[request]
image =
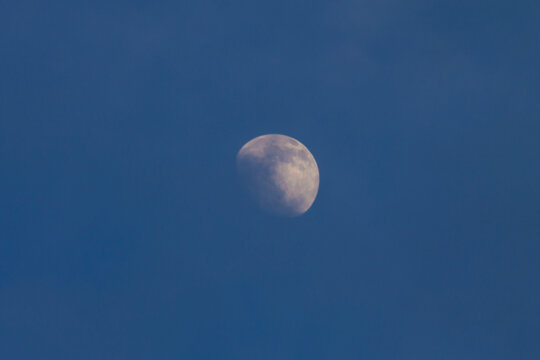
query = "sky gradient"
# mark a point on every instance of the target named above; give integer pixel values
(124, 233)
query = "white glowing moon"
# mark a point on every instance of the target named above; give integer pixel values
(280, 174)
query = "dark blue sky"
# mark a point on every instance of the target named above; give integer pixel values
(123, 231)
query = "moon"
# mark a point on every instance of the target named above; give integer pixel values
(279, 173)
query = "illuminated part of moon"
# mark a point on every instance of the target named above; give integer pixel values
(280, 174)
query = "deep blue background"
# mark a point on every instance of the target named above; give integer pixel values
(123, 231)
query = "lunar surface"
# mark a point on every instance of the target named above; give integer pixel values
(280, 174)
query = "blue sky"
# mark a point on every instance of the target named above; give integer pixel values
(123, 229)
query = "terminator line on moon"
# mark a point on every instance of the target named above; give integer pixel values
(280, 174)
